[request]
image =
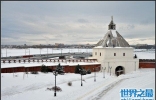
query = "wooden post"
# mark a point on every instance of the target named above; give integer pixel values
(108, 67)
(110, 70)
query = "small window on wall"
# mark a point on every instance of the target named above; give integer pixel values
(123, 54)
(114, 54)
(95, 53)
(100, 53)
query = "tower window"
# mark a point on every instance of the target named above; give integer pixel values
(123, 54)
(100, 53)
(114, 54)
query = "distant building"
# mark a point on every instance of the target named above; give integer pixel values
(59, 44)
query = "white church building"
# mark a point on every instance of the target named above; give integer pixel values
(114, 53)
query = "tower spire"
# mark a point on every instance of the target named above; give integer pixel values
(111, 25)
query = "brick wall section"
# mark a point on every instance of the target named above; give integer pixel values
(146, 64)
(13, 69)
(71, 69)
(67, 69)
(34, 68)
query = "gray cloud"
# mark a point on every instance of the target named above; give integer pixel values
(74, 22)
(82, 21)
(147, 21)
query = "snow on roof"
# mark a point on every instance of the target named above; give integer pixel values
(99, 47)
(82, 63)
(31, 64)
(114, 33)
(9, 65)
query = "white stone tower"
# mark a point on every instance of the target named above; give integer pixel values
(114, 53)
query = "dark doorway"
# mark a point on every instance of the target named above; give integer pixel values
(119, 70)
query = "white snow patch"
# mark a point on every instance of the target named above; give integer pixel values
(33, 86)
(114, 33)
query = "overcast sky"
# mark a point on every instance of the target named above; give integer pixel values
(75, 22)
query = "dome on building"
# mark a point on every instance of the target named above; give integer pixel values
(112, 38)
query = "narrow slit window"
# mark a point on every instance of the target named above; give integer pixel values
(114, 54)
(123, 54)
(100, 53)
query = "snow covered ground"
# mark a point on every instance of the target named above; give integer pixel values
(141, 79)
(18, 52)
(145, 54)
(141, 53)
(34, 86)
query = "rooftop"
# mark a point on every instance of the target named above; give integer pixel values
(112, 38)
